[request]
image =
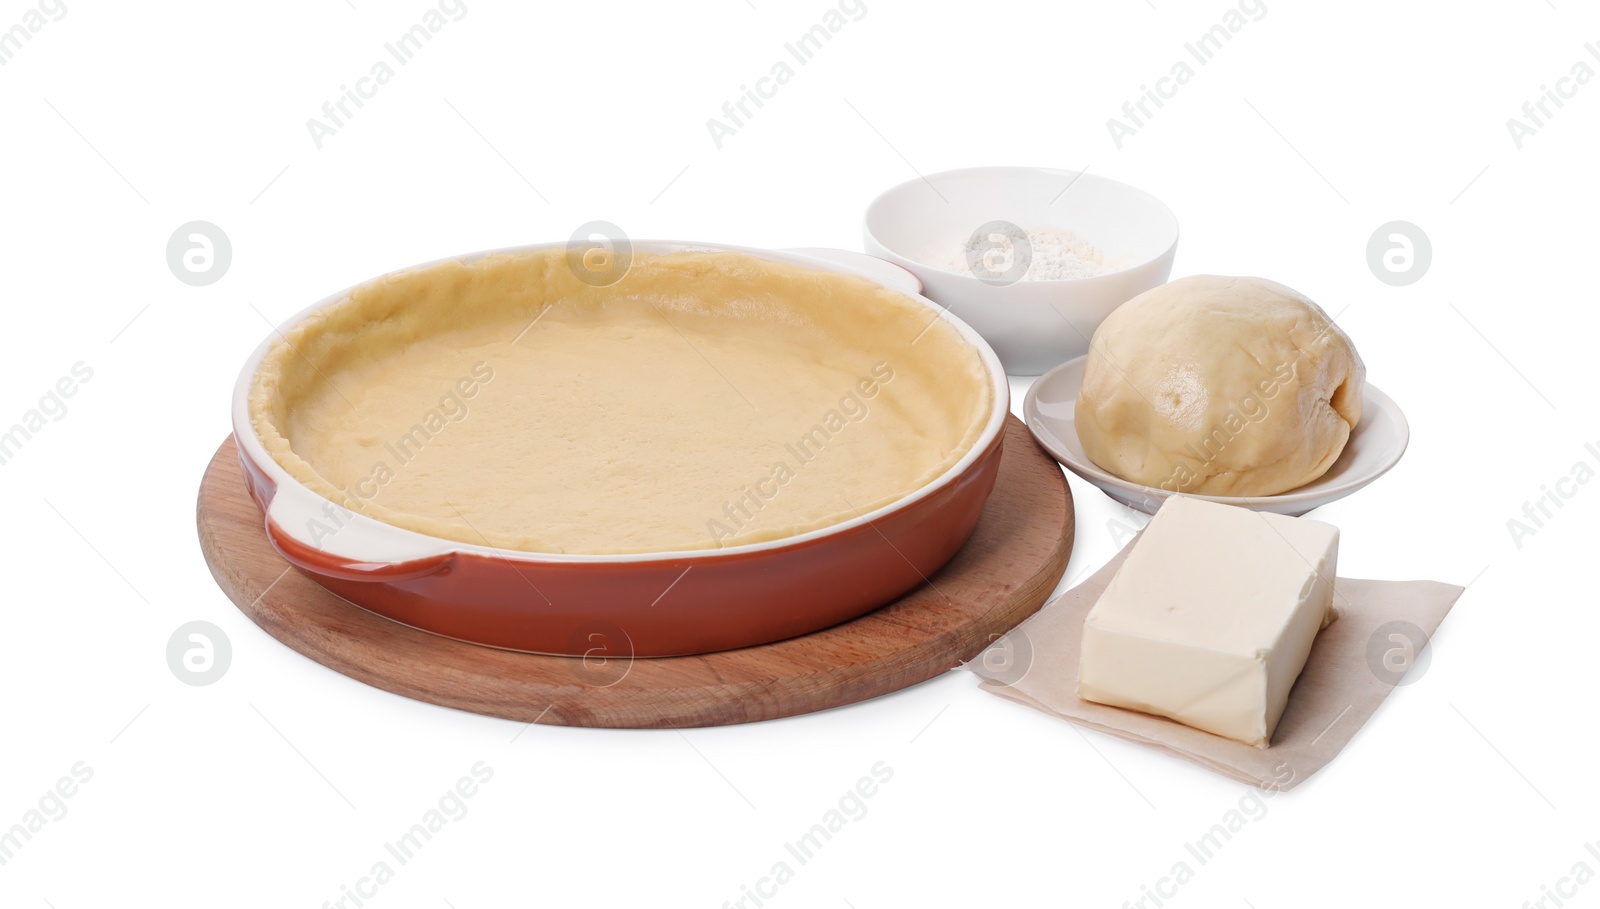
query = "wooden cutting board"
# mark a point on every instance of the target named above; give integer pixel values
(1002, 575)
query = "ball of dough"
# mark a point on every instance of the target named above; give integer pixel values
(1219, 386)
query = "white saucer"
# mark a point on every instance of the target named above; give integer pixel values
(1375, 446)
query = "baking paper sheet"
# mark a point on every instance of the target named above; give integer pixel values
(1355, 664)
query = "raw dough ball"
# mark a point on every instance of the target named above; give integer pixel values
(1219, 386)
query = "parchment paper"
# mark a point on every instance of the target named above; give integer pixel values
(1350, 671)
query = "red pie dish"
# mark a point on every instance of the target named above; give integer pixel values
(704, 449)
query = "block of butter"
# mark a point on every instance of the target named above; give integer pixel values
(1211, 617)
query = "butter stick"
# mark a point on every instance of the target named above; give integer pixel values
(1211, 618)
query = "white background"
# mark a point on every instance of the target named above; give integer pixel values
(279, 784)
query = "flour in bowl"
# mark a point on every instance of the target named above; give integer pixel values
(1053, 255)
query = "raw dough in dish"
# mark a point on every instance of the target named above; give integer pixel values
(705, 400)
(1219, 386)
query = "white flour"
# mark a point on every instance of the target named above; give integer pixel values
(1056, 255)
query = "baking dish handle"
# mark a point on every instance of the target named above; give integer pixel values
(879, 269)
(339, 544)
(318, 561)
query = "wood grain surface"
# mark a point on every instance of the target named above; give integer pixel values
(1003, 574)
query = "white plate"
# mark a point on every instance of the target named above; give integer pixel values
(1375, 446)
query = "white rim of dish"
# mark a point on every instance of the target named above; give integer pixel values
(379, 542)
(905, 261)
(1100, 477)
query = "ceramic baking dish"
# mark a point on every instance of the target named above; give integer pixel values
(637, 604)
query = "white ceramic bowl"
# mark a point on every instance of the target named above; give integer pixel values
(1032, 325)
(1376, 444)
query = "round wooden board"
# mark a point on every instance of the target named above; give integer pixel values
(1003, 575)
